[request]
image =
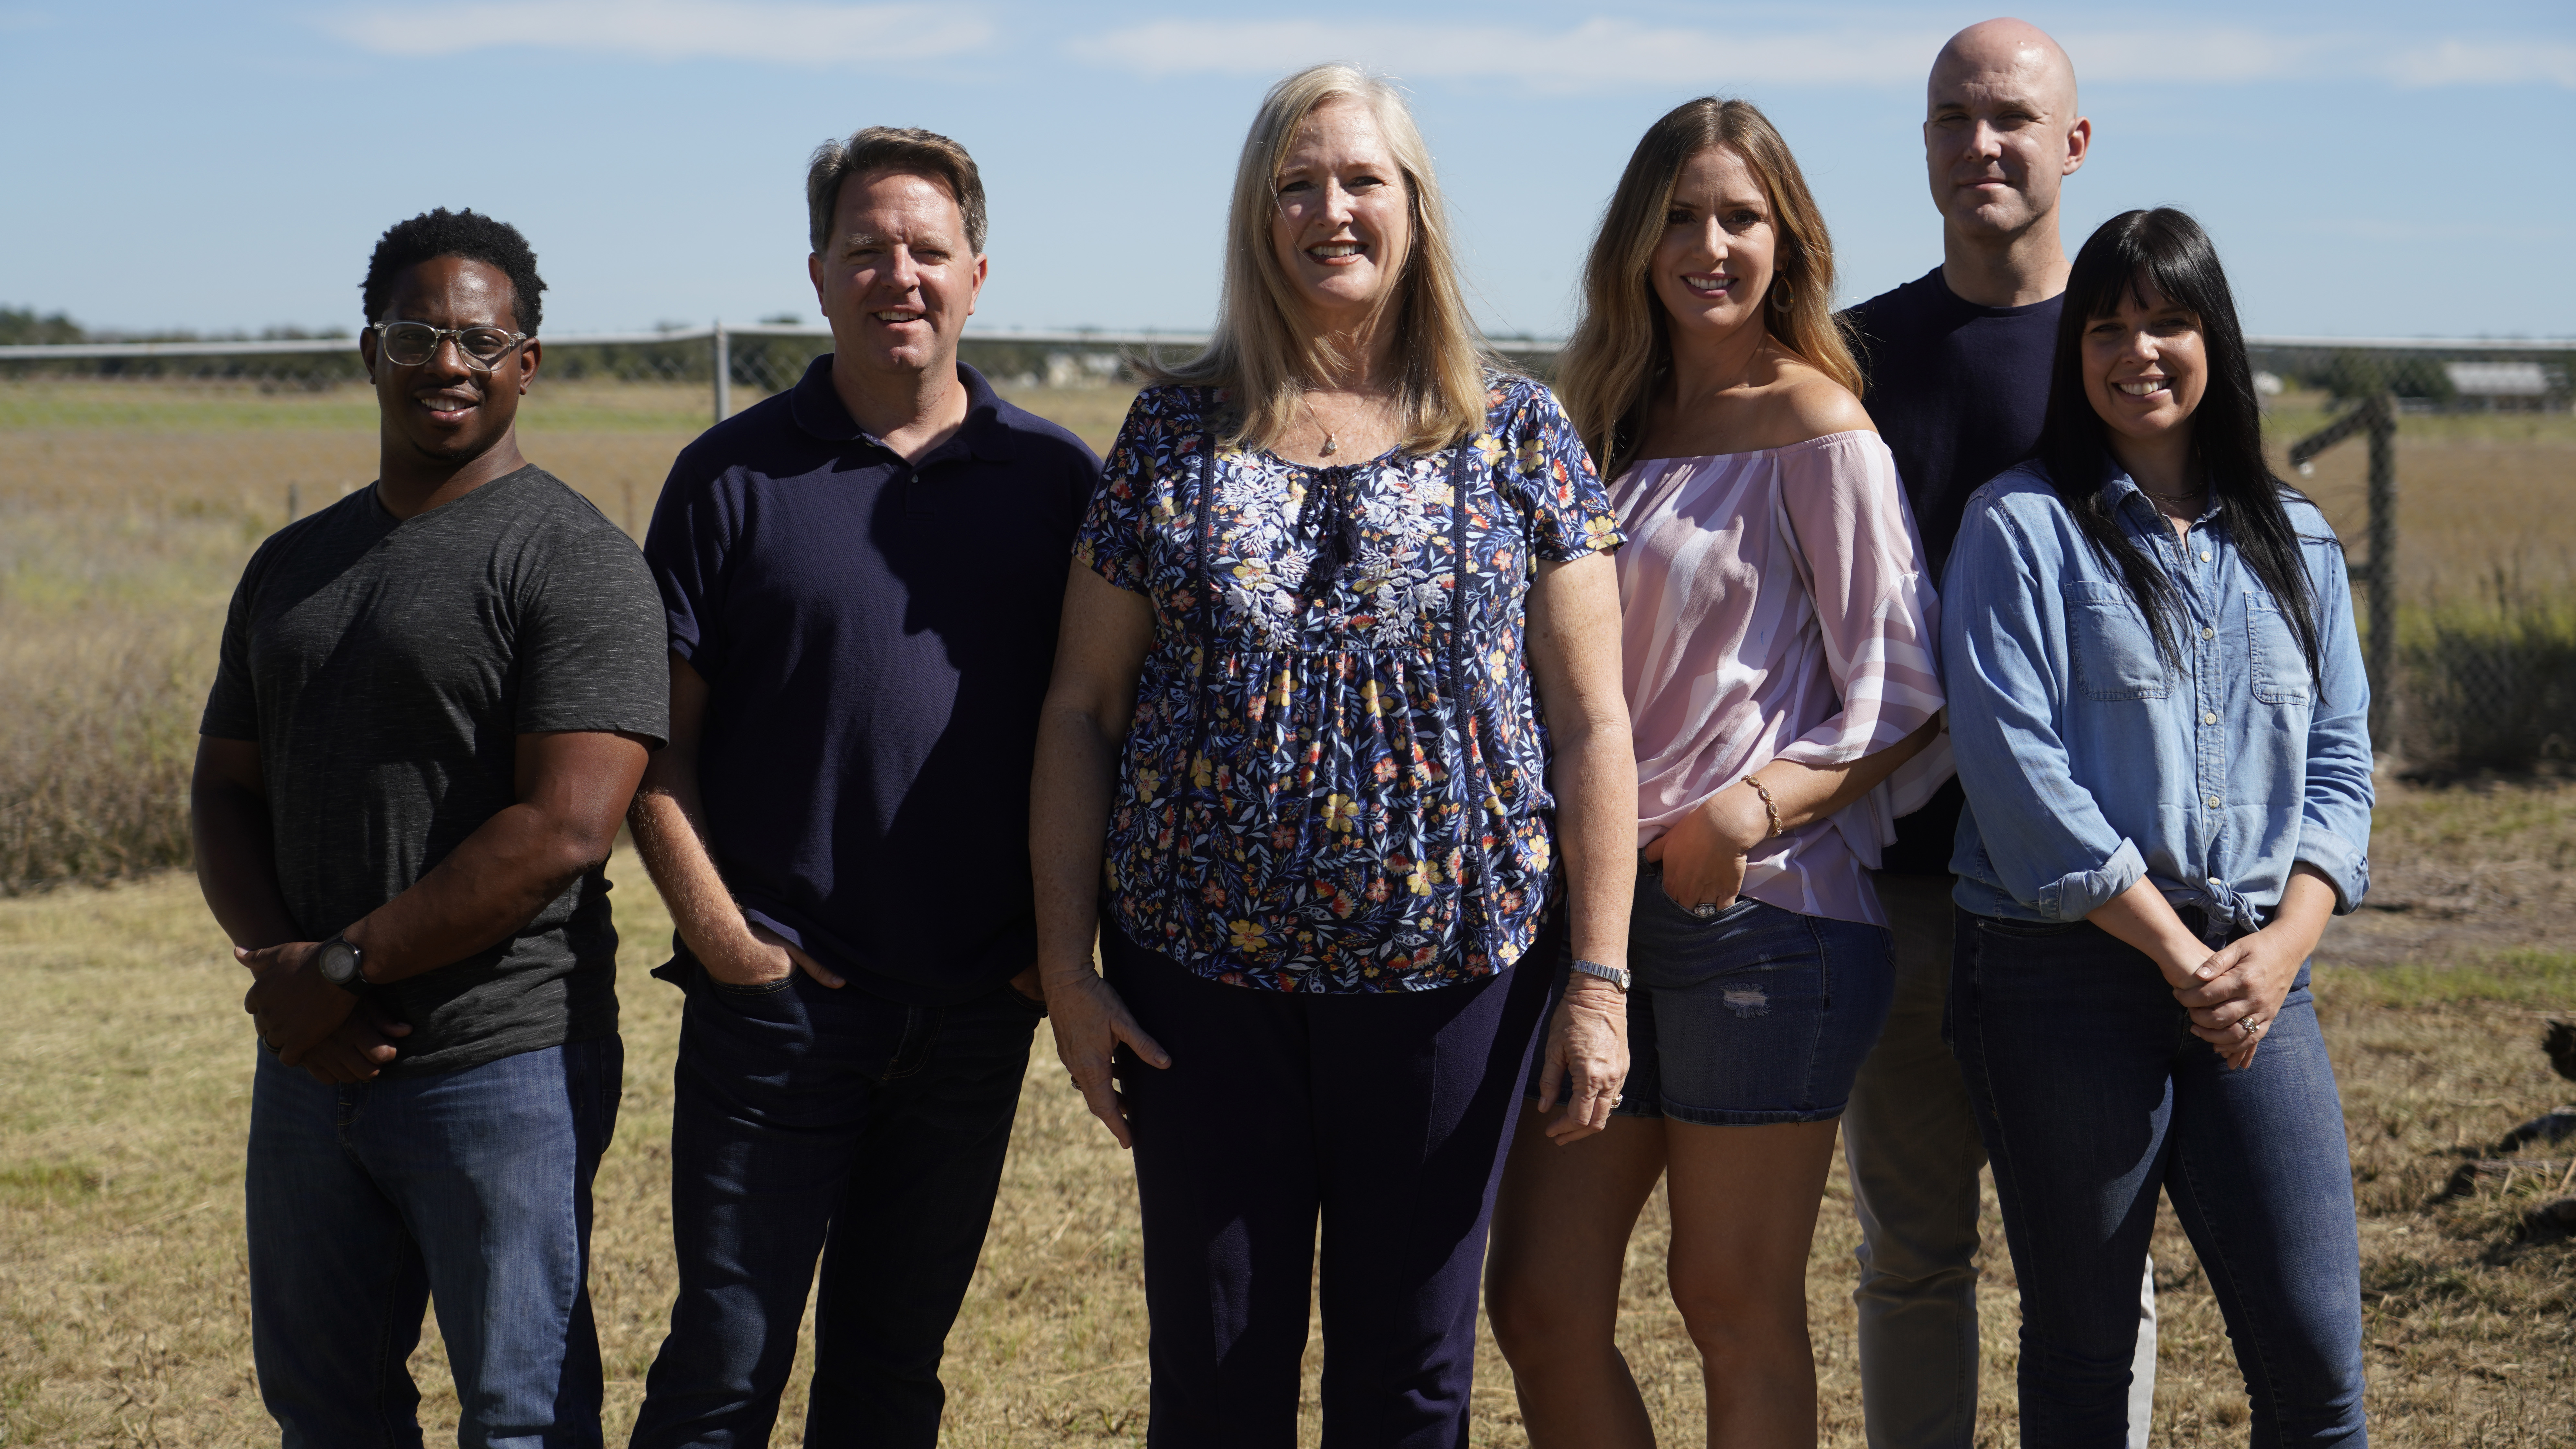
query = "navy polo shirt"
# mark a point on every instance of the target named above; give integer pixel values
(876, 638)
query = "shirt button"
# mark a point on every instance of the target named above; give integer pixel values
(2209, 719)
(2209, 633)
(2213, 802)
(2215, 884)
(2204, 555)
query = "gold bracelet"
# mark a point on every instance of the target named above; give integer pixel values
(1770, 807)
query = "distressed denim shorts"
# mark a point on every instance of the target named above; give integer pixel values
(1753, 1015)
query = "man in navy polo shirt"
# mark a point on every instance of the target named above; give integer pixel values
(862, 576)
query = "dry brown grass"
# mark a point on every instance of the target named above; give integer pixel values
(124, 1076)
(2475, 494)
(124, 1062)
(126, 512)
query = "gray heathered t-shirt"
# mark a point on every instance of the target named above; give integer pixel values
(386, 667)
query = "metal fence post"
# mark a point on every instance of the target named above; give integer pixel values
(2381, 661)
(724, 373)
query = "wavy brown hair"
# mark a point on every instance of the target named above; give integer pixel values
(1264, 349)
(1622, 348)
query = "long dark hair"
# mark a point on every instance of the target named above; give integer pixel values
(2166, 249)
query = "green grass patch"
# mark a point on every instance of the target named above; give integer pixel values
(2532, 978)
(34, 1184)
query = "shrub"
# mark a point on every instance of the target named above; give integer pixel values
(2489, 685)
(96, 749)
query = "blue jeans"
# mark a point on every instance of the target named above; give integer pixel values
(1910, 1140)
(1751, 1016)
(2092, 1094)
(471, 1187)
(813, 1121)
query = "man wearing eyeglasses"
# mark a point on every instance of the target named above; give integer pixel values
(433, 703)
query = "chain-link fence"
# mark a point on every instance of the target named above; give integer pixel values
(136, 478)
(2449, 471)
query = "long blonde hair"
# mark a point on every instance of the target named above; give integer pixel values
(1622, 350)
(1262, 351)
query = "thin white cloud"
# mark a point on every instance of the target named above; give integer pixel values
(1591, 56)
(775, 31)
(1603, 54)
(2461, 62)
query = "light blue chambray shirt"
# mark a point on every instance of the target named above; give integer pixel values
(2087, 763)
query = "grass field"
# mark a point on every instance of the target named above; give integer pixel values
(126, 512)
(125, 515)
(124, 1081)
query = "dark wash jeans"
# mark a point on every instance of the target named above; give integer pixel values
(2092, 1093)
(817, 1121)
(472, 1186)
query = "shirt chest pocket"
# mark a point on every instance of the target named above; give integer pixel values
(2279, 669)
(2114, 655)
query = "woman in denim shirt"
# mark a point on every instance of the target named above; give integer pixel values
(2157, 707)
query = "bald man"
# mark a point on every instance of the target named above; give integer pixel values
(1957, 363)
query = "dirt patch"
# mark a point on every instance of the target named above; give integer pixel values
(2461, 872)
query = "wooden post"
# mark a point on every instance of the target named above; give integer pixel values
(2381, 661)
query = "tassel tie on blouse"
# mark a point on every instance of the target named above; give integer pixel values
(1336, 540)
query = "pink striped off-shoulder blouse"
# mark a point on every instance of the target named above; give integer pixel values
(1774, 607)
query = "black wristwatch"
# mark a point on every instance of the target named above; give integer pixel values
(343, 965)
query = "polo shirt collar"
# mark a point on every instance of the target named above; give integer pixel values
(818, 409)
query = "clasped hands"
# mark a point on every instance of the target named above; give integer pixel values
(310, 1022)
(2234, 994)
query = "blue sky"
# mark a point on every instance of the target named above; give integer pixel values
(2368, 169)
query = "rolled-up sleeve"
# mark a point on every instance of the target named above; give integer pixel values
(2335, 800)
(2005, 672)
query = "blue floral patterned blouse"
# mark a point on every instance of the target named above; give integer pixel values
(1308, 733)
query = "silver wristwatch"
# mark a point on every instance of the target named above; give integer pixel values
(344, 966)
(1615, 975)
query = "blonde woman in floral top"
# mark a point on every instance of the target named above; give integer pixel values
(1336, 769)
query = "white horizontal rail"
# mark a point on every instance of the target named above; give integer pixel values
(2422, 344)
(315, 346)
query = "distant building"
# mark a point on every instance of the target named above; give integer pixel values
(2503, 386)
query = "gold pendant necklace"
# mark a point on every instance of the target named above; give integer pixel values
(1330, 444)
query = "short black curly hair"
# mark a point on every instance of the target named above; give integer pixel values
(444, 233)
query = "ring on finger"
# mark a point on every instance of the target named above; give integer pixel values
(2247, 1022)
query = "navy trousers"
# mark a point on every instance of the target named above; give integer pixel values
(1383, 1116)
(818, 1122)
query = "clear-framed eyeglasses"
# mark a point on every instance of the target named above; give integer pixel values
(409, 344)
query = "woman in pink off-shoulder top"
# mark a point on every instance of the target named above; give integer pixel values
(1778, 648)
